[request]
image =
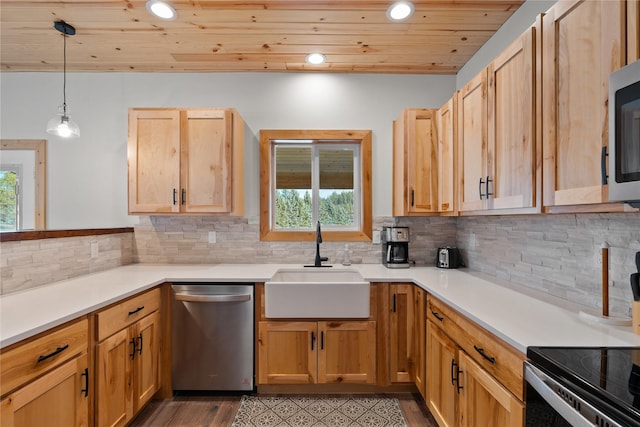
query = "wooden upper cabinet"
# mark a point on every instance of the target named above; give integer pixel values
(633, 31)
(582, 45)
(415, 164)
(498, 156)
(513, 153)
(472, 143)
(445, 127)
(186, 161)
(154, 160)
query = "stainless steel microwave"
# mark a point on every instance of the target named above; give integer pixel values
(624, 135)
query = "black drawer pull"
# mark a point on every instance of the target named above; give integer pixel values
(437, 316)
(313, 340)
(54, 353)
(131, 313)
(322, 340)
(490, 359)
(85, 390)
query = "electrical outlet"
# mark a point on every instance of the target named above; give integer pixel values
(94, 249)
(376, 236)
(212, 237)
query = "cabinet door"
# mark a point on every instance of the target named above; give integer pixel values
(419, 338)
(154, 161)
(441, 371)
(114, 405)
(446, 142)
(582, 45)
(59, 398)
(401, 332)
(483, 400)
(206, 156)
(415, 163)
(287, 352)
(512, 149)
(472, 143)
(146, 372)
(347, 352)
(633, 31)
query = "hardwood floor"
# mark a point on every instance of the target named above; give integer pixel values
(219, 410)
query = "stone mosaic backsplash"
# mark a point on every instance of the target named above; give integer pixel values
(556, 254)
(30, 263)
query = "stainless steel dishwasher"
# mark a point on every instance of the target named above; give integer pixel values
(212, 336)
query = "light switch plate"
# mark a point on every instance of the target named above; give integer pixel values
(376, 236)
(212, 237)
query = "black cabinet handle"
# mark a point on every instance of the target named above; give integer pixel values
(313, 340)
(480, 188)
(437, 316)
(85, 390)
(413, 198)
(395, 304)
(480, 350)
(133, 352)
(603, 165)
(131, 313)
(322, 340)
(453, 371)
(140, 344)
(458, 386)
(175, 193)
(54, 353)
(183, 197)
(486, 192)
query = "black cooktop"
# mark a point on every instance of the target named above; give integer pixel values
(604, 376)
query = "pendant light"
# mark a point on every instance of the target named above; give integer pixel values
(62, 125)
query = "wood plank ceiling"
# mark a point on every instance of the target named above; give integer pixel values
(250, 35)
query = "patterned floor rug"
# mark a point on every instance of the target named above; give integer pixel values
(318, 411)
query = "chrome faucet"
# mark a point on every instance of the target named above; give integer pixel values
(319, 259)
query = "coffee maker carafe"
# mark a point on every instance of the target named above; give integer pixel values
(395, 247)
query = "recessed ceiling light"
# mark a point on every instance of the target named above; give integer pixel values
(400, 10)
(316, 58)
(161, 9)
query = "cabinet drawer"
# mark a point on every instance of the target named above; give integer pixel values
(498, 358)
(34, 357)
(125, 313)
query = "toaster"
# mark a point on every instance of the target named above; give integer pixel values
(449, 257)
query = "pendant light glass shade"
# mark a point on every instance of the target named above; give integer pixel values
(61, 125)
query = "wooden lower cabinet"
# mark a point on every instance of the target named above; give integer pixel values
(460, 390)
(308, 352)
(441, 386)
(127, 371)
(483, 400)
(58, 398)
(419, 340)
(401, 332)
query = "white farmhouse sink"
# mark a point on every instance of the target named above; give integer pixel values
(316, 293)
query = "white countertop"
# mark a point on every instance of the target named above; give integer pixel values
(515, 316)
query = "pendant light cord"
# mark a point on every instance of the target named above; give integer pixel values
(64, 73)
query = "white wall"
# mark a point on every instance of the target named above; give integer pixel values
(87, 177)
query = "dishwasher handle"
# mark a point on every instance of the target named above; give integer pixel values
(188, 297)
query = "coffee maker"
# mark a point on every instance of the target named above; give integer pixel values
(395, 247)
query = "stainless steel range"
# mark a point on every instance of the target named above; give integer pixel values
(583, 386)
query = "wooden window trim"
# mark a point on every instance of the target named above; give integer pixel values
(39, 147)
(361, 137)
